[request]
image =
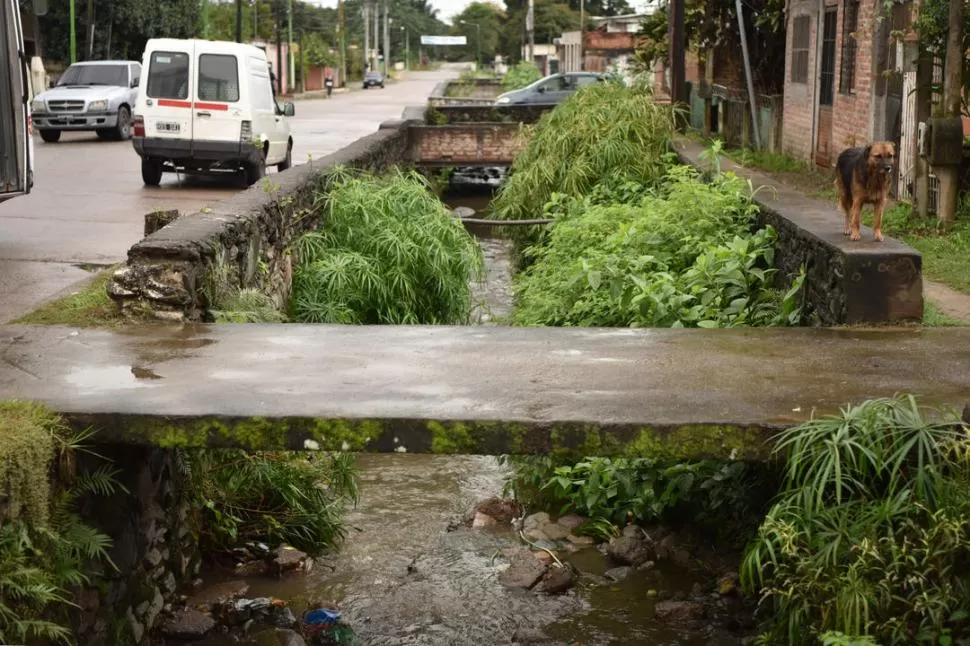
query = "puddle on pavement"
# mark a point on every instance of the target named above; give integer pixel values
(100, 379)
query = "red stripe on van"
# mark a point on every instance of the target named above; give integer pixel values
(170, 103)
(202, 105)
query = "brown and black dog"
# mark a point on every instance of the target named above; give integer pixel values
(862, 176)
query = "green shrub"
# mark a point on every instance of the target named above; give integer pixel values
(603, 131)
(389, 252)
(523, 74)
(272, 497)
(870, 535)
(681, 255)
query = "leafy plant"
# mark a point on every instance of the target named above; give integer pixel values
(388, 252)
(247, 306)
(603, 131)
(870, 535)
(46, 550)
(273, 497)
(523, 74)
(643, 261)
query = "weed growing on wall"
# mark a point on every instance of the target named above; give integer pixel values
(46, 551)
(870, 535)
(679, 255)
(388, 252)
(524, 73)
(603, 131)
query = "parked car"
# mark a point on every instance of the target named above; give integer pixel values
(554, 88)
(93, 95)
(208, 107)
(372, 79)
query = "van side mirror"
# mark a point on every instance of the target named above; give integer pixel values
(289, 109)
(134, 83)
(50, 84)
(40, 7)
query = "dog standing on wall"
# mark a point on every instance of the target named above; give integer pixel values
(862, 176)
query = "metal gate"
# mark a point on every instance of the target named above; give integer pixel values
(907, 139)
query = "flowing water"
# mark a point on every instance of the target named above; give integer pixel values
(410, 572)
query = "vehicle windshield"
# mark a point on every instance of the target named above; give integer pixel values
(373, 75)
(95, 75)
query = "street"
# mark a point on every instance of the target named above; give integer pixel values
(88, 203)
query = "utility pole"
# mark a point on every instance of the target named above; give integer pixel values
(73, 33)
(90, 25)
(377, 34)
(205, 19)
(946, 169)
(582, 35)
(387, 37)
(530, 27)
(255, 20)
(407, 48)
(366, 9)
(343, 49)
(748, 76)
(238, 21)
(291, 77)
(302, 65)
(676, 40)
(279, 49)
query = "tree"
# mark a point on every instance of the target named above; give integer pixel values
(490, 20)
(551, 19)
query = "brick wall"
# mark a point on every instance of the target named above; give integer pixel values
(493, 144)
(799, 102)
(851, 123)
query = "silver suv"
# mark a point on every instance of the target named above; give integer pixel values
(93, 95)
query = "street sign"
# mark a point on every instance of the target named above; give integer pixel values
(444, 40)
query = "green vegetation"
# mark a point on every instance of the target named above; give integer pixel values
(604, 132)
(678, 256)
(525, 73)
(933, 317)
(727, 498)
(870, 535)
(389, 252)
(273, 497)
(46, 552)
(89, 307)
(809, 179)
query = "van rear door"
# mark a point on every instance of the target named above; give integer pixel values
(167, 108)
(217, 113)
(13, 104)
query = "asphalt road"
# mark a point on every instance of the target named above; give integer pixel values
(88, 203)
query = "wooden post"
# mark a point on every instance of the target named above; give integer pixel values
(952, 86)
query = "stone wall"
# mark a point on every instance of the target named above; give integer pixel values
(243, 241)
(457, 114)
(452, 92)
(155, 548)
(491, 144)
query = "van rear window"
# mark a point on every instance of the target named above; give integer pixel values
(168, 76)
(218, 78)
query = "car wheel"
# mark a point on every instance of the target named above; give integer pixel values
(255, 171)
(382, 86)
(104, 134)
(151, 171)
(122, 131)
(286, 163)
(50, 136)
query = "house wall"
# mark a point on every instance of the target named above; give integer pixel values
(799, 102)
(852, 125)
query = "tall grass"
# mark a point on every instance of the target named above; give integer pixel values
(870, 536)
(602, 131)
(388, 252)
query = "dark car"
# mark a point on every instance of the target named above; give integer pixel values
(372, 79)
(551, 89)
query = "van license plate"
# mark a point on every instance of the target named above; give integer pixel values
(168, 126)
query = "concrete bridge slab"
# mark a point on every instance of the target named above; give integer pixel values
(678, 393)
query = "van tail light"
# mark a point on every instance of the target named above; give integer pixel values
(138, 126)
(30, 125)
(246, 132)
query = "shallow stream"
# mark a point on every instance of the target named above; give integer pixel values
(412, 572)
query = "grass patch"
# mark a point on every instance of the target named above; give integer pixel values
(933, 317)
(89, 307)
(813, 182)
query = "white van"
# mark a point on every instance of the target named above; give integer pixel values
(208, 106)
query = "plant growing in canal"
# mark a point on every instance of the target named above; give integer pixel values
(678, 255)
(603, 131)
(273, 497)
(388, 252)
(870, 535)
(46, 551)
(524, 73)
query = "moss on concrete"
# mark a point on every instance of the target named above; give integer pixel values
(344, 435)
(90, 306)
(701, 441)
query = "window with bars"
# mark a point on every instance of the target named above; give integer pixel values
(826, 92)
(799, 49)
(850, 22)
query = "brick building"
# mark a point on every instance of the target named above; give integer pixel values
(843, 77)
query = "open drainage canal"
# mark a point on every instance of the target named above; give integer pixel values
(419, 566)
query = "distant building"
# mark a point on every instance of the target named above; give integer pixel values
(608, 46)
(545, 57)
